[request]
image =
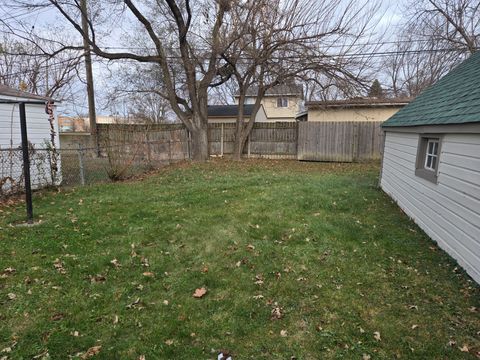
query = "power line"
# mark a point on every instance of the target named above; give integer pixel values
(383, 54)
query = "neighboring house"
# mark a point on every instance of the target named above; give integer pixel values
(39, 137)
(360, 109)
(75, 131)
(281, 103)
(229, 113)
(68, 124)
(431, 163)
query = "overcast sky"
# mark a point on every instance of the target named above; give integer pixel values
(389, 16)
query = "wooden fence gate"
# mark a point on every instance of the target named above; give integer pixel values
(339, 141)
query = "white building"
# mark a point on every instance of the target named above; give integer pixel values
(431, 163)
(39, 137)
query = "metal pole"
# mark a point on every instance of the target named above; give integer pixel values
(26, 163)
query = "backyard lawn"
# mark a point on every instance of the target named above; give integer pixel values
(298, 261)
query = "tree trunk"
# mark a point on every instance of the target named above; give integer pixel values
(200, 144)
(240, 140)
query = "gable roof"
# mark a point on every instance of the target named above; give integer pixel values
(228, 110)
(9, 92)
(358, 103)
(279, 90)
(455, 99)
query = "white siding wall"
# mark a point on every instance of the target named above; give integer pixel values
(38, 129)
(449, 211)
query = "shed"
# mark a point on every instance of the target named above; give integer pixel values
(39, 129)
(431, 163)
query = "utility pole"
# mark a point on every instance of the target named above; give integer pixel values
(88, 68)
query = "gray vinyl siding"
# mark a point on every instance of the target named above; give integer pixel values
(449, 211)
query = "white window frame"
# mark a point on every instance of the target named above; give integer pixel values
(431, 154)
(427, 155)
(282, 102)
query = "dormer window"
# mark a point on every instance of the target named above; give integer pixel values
(282, 102)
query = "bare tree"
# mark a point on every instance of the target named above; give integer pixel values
(181, 33)
(24, 65)
(437, 36)
(137, 90)
(288, 40)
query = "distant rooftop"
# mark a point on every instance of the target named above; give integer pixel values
(279, 90)
(358, 102)
(228, 110)
(7, 91)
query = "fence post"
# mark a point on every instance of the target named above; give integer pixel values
(248, 139)
(356, 143)
(80, 165)
(221, 142)
(169, 151)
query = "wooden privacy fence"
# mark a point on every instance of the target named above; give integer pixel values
(267, 140)
(339, 141)
(315, 141)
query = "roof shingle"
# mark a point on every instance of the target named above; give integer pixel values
(228, 110)
(455, 99)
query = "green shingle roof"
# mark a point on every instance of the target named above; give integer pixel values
(455, 99)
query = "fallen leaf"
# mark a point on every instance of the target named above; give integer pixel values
(258, 297)
(276, 313)
(11, 296)
(361, 330)
(115, 320)
(464, 348)
(141, 357)
(452, 343)
(283, 333)
(148, 274)
(366, 357)
(250, 247)
(165, 302)
(97, 279)
(376, 335)
(115, 263)
(94, 350)
(205, 269)
(169, 342)
(135, 303)
(57, 317)
(58, 265)
(414, 326)
(199, 293)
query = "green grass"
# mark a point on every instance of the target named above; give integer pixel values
(333, 254)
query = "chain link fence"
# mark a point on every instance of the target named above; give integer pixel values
(84, 166)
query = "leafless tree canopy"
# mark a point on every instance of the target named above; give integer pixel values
(25, 66)
(436, 36)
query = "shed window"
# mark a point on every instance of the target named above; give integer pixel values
(431, 156)
(428, 157)
(282, 102)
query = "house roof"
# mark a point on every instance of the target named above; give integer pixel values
(279, 90)
(455, 99)
(12, 92)
(228, 110)
(358, 102)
